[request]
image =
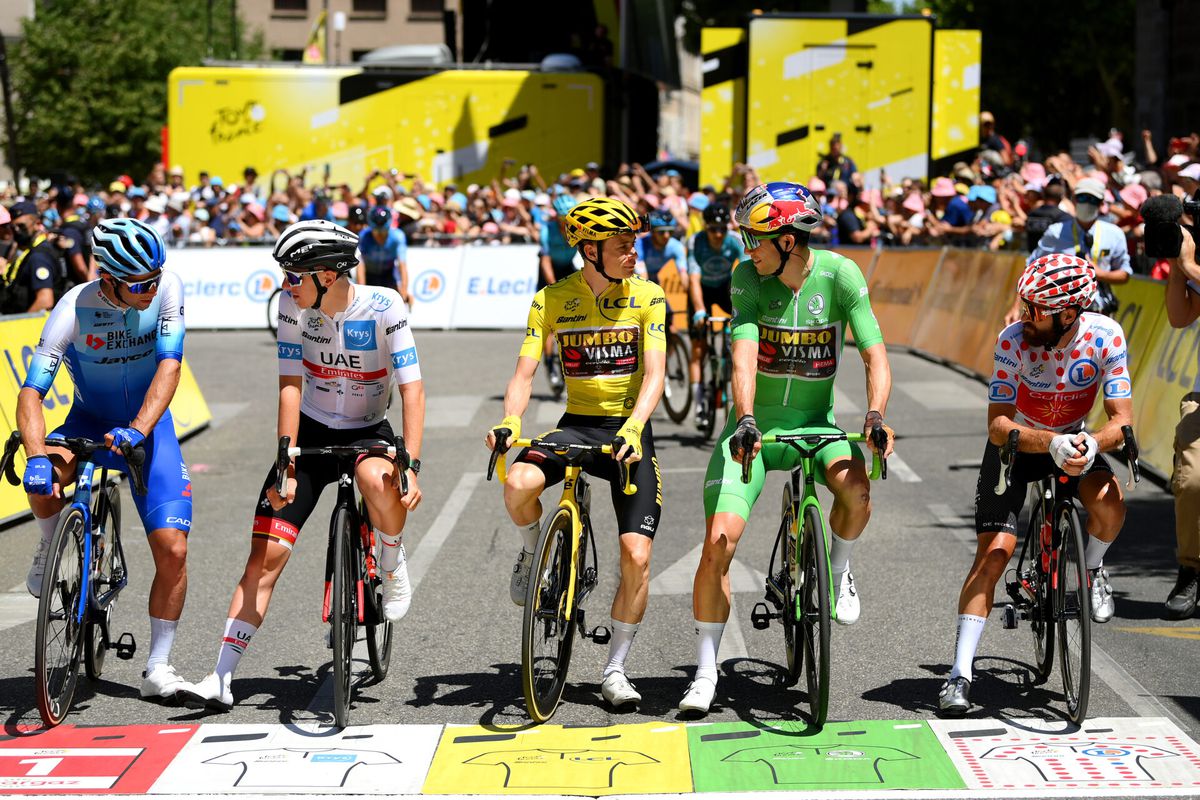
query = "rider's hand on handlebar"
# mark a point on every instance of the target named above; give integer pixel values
(119, 436)
(413, 498)
(746, 438)
(875, 418)
(39, 477)
(627, 444)
(511, 424)
(278, 502)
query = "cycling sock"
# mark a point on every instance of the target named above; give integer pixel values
(970, 628)
(1093, 555)
(233, 647)
(389, 550)
(706, 650)
(697, 393)
(47, 526)
(618, 648)
(162, 636)
(529, 534)
(839, 558)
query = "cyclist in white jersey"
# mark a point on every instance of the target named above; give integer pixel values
(341, 346)
(1047, 371)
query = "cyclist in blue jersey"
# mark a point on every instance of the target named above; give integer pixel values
(556, 259)
(713, 254)
(121, 338)
(383, 251)
(658, 248)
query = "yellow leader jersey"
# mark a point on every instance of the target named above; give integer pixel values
(602, 340)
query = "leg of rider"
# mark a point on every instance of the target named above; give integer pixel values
(993, 550)
(629, 603)
(710, 589)
(167, 591)
(694, 368)
(46, 509)
(388, 514)
(522, 491)
(847, 478)
(1100, 493)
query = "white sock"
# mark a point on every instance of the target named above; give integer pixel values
(706, 649)
(529, 534)
(47, 526)
(970, 628)
(697, 393)
(237, 639)
(839, 558)
(618, 648)
(389, 550)
(1094, 553)
(162, 636)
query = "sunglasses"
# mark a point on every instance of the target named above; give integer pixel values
(1036, 313)
(141, 287)
(1087, 199)
(752, 240)
(294, 278)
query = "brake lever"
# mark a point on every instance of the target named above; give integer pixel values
(1131, 454)
(879, 438)
(281, 464)
(1008, 455)
(9, 458)
(134, 458)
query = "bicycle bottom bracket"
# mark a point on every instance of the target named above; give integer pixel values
(125, 646)
(1010, 617)
(760, 617)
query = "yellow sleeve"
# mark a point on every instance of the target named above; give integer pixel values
(535, 328)
(655, 319)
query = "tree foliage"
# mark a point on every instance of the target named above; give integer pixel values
(90, 80)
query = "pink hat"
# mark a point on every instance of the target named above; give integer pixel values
(872, 197)
(943, 187)
(510, 202)
(914, 203)
(257, 212)
(652, 199)
(1033, 171)
(1099, 176)
(5, 217)
(437, 199)
(816, 186)
(81, 199)
(340, 209)
(1134, 195)
(491, 227)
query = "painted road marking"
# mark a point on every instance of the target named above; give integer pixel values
(949, 518)
(898, 468)
(17, 606)
(943, 395)
(1170, 633)
(677, 579)
(451, 410)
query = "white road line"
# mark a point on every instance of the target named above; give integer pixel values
(733, 643)
(943, 395)
(901, 470)
(945, 515)
(674, 470)
(452, 410)
(17, 606)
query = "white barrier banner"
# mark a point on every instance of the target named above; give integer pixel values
(433, 280)
(225, 287)
(496, 286)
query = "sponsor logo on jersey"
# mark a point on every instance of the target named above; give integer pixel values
(429, 285)
(655, 301)
(611, 303)
(398, 326)
(95, 342)
(775, 305)
(292, 351)
(1002, 393)
(179, 521)
(405, 358)
(657, 329)
(359, 334)
(816, 306)
(599, 351)
(285, 318)
(312, 338)
(571, 304)
(571, 318)
(1055, 410)
(1083, 373)
(1118, 388)
(1000, 358)
(379, 302)
(314, 323)
(807, 353)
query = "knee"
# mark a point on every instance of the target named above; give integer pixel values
(717, 553)
(854, 493)
(523, 480)
(636, 559)
(171, 551)
(993, 563)
(374, 482)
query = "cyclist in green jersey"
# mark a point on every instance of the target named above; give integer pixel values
(790, 310)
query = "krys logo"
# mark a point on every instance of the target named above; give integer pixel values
(429, 286)
(260, 285)
(359, 334)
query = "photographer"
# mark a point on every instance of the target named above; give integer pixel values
(1166, 238)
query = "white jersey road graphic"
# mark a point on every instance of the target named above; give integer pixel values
(346, 360)
(1082, 762)
(299, 767)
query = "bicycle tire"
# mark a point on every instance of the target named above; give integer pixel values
(273, 312)
(342, 615)
(544, 676)
(1073, 613)
(677, 397)
(787, 581)
(57, 655)
(106, 518)
(378, 627)
(1041, 615)
(815, 613)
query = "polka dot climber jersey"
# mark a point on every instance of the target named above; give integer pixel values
(1054, 389)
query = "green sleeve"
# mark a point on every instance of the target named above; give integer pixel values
(852, 292)
(744, 288)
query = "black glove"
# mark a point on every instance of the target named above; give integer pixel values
(745, 436)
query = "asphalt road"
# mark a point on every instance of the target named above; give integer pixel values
(457, 654)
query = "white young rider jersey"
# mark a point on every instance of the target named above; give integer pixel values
(1054, 389)
(346, 359)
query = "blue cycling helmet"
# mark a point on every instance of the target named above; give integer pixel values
(95, 205)
(126, 248)
(564, 203)
(380, 217)
(661, 219)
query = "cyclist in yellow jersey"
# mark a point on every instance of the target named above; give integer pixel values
(611, 332)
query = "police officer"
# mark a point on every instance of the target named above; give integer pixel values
(33, 279)
(74, 235)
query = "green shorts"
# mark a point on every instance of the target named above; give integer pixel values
(723, 487)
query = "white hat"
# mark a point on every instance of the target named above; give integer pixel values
(1090, 187)
(512, 194)
(382, 191)
(178, 201)
(1191, 171)
(157, 204)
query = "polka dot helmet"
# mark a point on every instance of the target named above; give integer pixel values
(1058, 281)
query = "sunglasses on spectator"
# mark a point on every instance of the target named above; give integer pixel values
(1088, 199)
(752, 240)
(143, 286)
(1036, 313)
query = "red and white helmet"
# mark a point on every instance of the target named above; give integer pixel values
(1057, 281)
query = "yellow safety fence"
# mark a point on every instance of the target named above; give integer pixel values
(18, 338)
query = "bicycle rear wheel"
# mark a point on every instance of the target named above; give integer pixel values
(108, 572)
(59, 638)
(342, 616)
(814, 615)
(786, 579)
(677, 399)
(1041, 616)
(547, 633)
(378, 628)
(1073, 611)
(273, 312)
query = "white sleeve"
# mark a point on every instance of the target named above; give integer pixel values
(400, 344)
(58, 333)
(291, 351)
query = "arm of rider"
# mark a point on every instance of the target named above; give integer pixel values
(1000, 422)
(879, 391)
(402, 268)
(653, 380)
(289, 426)
(31, 422)
(158, 398)
(412, 400)
(745, 370)
(516, 400)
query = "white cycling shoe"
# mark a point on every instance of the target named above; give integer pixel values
(212, 694)
(520, 577)
(618, 691)
(162, 684)
(847, 609)
(699, 696)
(397, 591)
(37, 570)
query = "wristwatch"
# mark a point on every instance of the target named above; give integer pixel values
(415, 466)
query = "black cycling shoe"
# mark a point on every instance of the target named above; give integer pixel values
(1181, 602)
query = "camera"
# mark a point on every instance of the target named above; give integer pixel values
(1164, 232)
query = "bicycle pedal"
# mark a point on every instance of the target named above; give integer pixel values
(600, 635)
(760, 617)
(125, 646)
(1010, 617)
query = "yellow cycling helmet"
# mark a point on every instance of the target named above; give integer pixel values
(599, 218)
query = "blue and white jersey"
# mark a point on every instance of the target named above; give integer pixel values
(347, 359)
(111, 353)
(380, 258)
(654, 259)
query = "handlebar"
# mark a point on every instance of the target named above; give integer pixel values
(135, 457)
(1007, 457)
(1131, 455)
(285, 454)
(878, 437)
(498, 463)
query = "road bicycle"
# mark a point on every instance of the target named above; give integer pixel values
(716, 369)
(565, 571)
(353, 581)
(273, 311)
(677, 397)
(1049, 588)
(85, 572)
(799, 585)
(554, 370)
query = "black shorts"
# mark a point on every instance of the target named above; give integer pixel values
(313, 474)
(995, 512)
(713, 296)
(637, 513)
(560, 271)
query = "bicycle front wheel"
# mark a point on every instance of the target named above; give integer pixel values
(814, 613)
(1073, 611)
(273, 312)
(342, 616)
(547, 631)
(677, 398)
(108, 573)
(786, 579)
(378, 628)
(1041, 614)
(59, 638)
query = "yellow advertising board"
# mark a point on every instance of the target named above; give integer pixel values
(722, 102)
(18, 338)
(898, 285)
(452, 126)
(957, 59)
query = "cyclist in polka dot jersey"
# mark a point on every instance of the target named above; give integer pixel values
(1047, 371)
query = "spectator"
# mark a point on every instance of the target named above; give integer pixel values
(952, 216)
(33, 280)
(989, 140)
(155, 217)
(992, 225)
(251, 187)
(74, 238)
(855, 225)
(179, 221)
(1043, 211)
(836, 166)
(175, 179)
(202, 234)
